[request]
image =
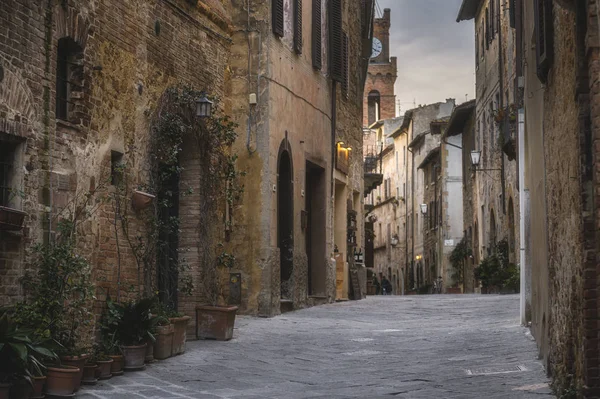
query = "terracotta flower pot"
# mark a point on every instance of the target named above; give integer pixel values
(89, 374)
(104, 369)
(215, 322)
(149, 351)
(75, 361)
(38, 387)
(134, 356)
(116, 368)
(141, 200)
(179, 333)
(61, 380)
(4, 391)
(163, 347)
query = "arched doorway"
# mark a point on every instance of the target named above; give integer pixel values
(492, 239)
(285, 219)
(512, 253)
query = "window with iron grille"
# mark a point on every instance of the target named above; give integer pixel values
(68, 74)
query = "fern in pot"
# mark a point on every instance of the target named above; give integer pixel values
(134, 329)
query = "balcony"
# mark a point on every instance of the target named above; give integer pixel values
(372, 169)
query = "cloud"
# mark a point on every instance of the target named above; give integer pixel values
(436, 55)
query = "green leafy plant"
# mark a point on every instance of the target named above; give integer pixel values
(496, 272)
(58, 307)
(132, 322)
(22, 354)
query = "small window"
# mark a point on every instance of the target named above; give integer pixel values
(7, 171)
(345, 64)
(116, 168)
(68, 74)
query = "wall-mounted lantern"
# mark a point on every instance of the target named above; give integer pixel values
(476, 159)
(203, 106)
(424, 209)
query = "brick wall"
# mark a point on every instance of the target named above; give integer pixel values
(131, 52)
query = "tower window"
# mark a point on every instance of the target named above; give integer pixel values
(374, 105)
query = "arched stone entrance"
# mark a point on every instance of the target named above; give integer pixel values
(285, 219)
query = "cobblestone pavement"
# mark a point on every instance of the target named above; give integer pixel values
(383, 347)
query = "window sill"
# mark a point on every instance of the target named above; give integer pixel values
(66, 124)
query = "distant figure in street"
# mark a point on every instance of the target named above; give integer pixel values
(377, 285)
(386, 285)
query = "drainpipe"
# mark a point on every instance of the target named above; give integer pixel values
(523, 207)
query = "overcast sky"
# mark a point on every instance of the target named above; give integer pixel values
(436, 55)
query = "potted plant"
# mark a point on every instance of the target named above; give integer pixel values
(133, 330)
(89, 370)
(104, 365)
(163, 347)
(59, 298)
(109, 325)
(21, 358)
(215, 320)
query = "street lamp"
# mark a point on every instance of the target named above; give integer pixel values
(475, 158)
(203, 106)
(424, 209)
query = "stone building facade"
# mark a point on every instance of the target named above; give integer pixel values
(81, 87)
(496, 206)
(560, 162)
(80, 84)
(460, 136)
(422, 129)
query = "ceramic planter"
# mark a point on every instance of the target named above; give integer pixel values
(149, 351)
(215, 322)
(89, 374)
(61, 380)
(4, 391)
(75, 361)
(179, 333)
(163, 347)
(38, 387)
(104, 369)
(11, 219)
(134, 356)
(116, 368)
(141, 200)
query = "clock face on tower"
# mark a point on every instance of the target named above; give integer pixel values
(377, 48)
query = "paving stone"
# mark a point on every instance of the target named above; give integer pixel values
(422, 347)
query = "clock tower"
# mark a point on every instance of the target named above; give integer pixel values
(380, 101)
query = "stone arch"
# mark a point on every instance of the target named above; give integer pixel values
(71, 23)
(374, 106)
(16, 96)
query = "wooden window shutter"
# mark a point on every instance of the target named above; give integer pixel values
(277, 9)
(513, 20)
(336, 63)
(298, 26)
(544, 47)
(316, 35)
(345, 64)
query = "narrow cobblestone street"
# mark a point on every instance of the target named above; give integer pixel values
(404, 347)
